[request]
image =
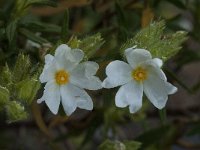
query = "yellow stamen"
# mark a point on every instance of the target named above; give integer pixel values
(139, 74)
(62, 77)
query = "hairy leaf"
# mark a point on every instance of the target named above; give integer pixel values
(91, 44)
(154, 39)
(6, 76)
(27, 90)
(22, 68)
(4, 96)
(15, 112)
(30, 35)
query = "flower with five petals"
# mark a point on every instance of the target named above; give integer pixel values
(66, 78)
(141, 74)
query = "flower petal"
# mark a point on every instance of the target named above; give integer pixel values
(154, 69)
(170, 88)
(156, 91)
(75, 55)
(51, 96)
(92, 83)
(158, 62)
(68, 99)
(82, 76)
(118, 73)
(84, 101)
(73, 97)
(49, 70)
(130, 94)
(91, 68)
(48, 59)
(108, 84)
(61, 50)
(62, 55)
(137, 56)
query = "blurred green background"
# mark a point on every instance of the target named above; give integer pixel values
(36, 27)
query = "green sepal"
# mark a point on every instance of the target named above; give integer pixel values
(15, 112)
(27, 90)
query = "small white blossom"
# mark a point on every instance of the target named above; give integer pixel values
(141, 74)
(66, 80)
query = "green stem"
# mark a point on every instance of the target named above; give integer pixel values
(163, 116)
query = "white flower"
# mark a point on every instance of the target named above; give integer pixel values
(141, 74)
(66, 78)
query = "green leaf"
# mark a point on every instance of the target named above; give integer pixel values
(30, 35)
(41, 26)
(117, 145)
(27, 90)
(4, 96)
(15, 112)
(91, 44)
(74, 42)
(6, 77)
(11, 30)
(22, 68)
(51, 3)
(65, 26)
(160, 45)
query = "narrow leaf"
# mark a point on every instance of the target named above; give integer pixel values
(51, 3)
(65, 26)
(11, 30)
(30, 35)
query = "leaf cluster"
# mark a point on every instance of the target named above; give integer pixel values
(154, 39)
(89, 44)
(18, 88)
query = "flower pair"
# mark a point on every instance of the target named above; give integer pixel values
(67, 77)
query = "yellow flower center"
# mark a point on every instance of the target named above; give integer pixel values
(62, 77)
(139, 74)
